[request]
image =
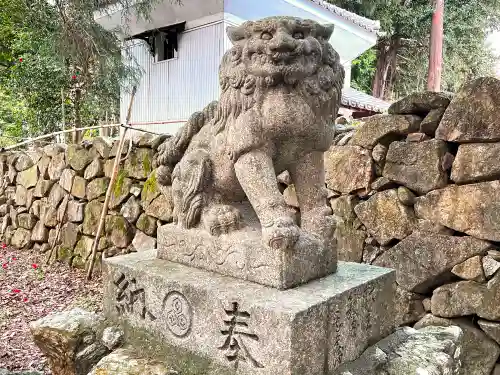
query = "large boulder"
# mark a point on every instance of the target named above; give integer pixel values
(28, 178)
(476, 162)
(431, 122)
(147, 224)
(94, 170)
(115, 145)
(423, 259)
(53, 149)
(348, 168)
(42, 188)
(430, 350)
(78, 157)
(92, 216)
(472, 116)
(350, 240)
(131, 210)
(121, 190)
(70, 340)
(75, 211)
(468, 298)
(21, 238)
(22, 162)
(417, 165)
(150, 190)
(385, 217)
(40, 233)
(97, 188)
(471, 269)
(161, 207)
(83, 248)
(20, 197)
(126, 362)
(492, 329)
(103, 146)
(383, 129)
(79, 189)
(26, 220)
(119, 231)
(420, 103)
(69, 235)
(143, 242)
(56, 195)
(43, 166)
(479, 352)
(66, 180)
(473, 209)
(56, 166)
(139, 164)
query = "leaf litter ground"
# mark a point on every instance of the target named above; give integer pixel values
(30, 290)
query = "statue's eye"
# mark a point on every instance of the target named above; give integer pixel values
(298, 35)
(266, 36)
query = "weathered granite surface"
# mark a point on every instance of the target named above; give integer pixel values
(241, 254)
(430, 350)
(251, 328)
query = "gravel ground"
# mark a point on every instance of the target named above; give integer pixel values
(30, 290)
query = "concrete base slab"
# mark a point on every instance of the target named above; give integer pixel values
(249, 328)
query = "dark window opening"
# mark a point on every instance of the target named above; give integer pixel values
(163, 42)
(167, 45)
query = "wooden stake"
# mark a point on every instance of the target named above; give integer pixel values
(116, 166)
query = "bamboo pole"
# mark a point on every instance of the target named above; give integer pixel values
(8, 148)
(116, 165)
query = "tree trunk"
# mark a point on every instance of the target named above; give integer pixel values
(386, 68)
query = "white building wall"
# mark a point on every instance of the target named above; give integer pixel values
(169, 90)
(347, 80)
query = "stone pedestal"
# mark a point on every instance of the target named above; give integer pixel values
(241, 254)
(248, 328)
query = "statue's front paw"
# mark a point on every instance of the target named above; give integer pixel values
(281, 235)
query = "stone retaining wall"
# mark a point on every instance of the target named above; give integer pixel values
(418, 190)
(65, 185)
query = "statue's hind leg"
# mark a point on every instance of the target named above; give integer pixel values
(256, 174)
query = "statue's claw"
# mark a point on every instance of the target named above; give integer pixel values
(282, 234)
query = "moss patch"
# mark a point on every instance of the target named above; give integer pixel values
(146, 163)
(150, 189)
(184, 362)
(120, 179)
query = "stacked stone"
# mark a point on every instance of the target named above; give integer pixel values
(65, 186)
(418, 190)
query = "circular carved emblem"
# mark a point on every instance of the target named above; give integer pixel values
(179, 314)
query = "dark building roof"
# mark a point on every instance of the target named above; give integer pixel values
(353, 98)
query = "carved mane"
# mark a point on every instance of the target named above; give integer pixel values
(240, 90)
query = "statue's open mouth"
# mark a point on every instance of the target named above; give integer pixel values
(282, 56)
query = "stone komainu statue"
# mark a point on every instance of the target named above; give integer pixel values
(281, 89)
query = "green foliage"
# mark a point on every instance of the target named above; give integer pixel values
(408, 22)
(363, 69)
(54, 52)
